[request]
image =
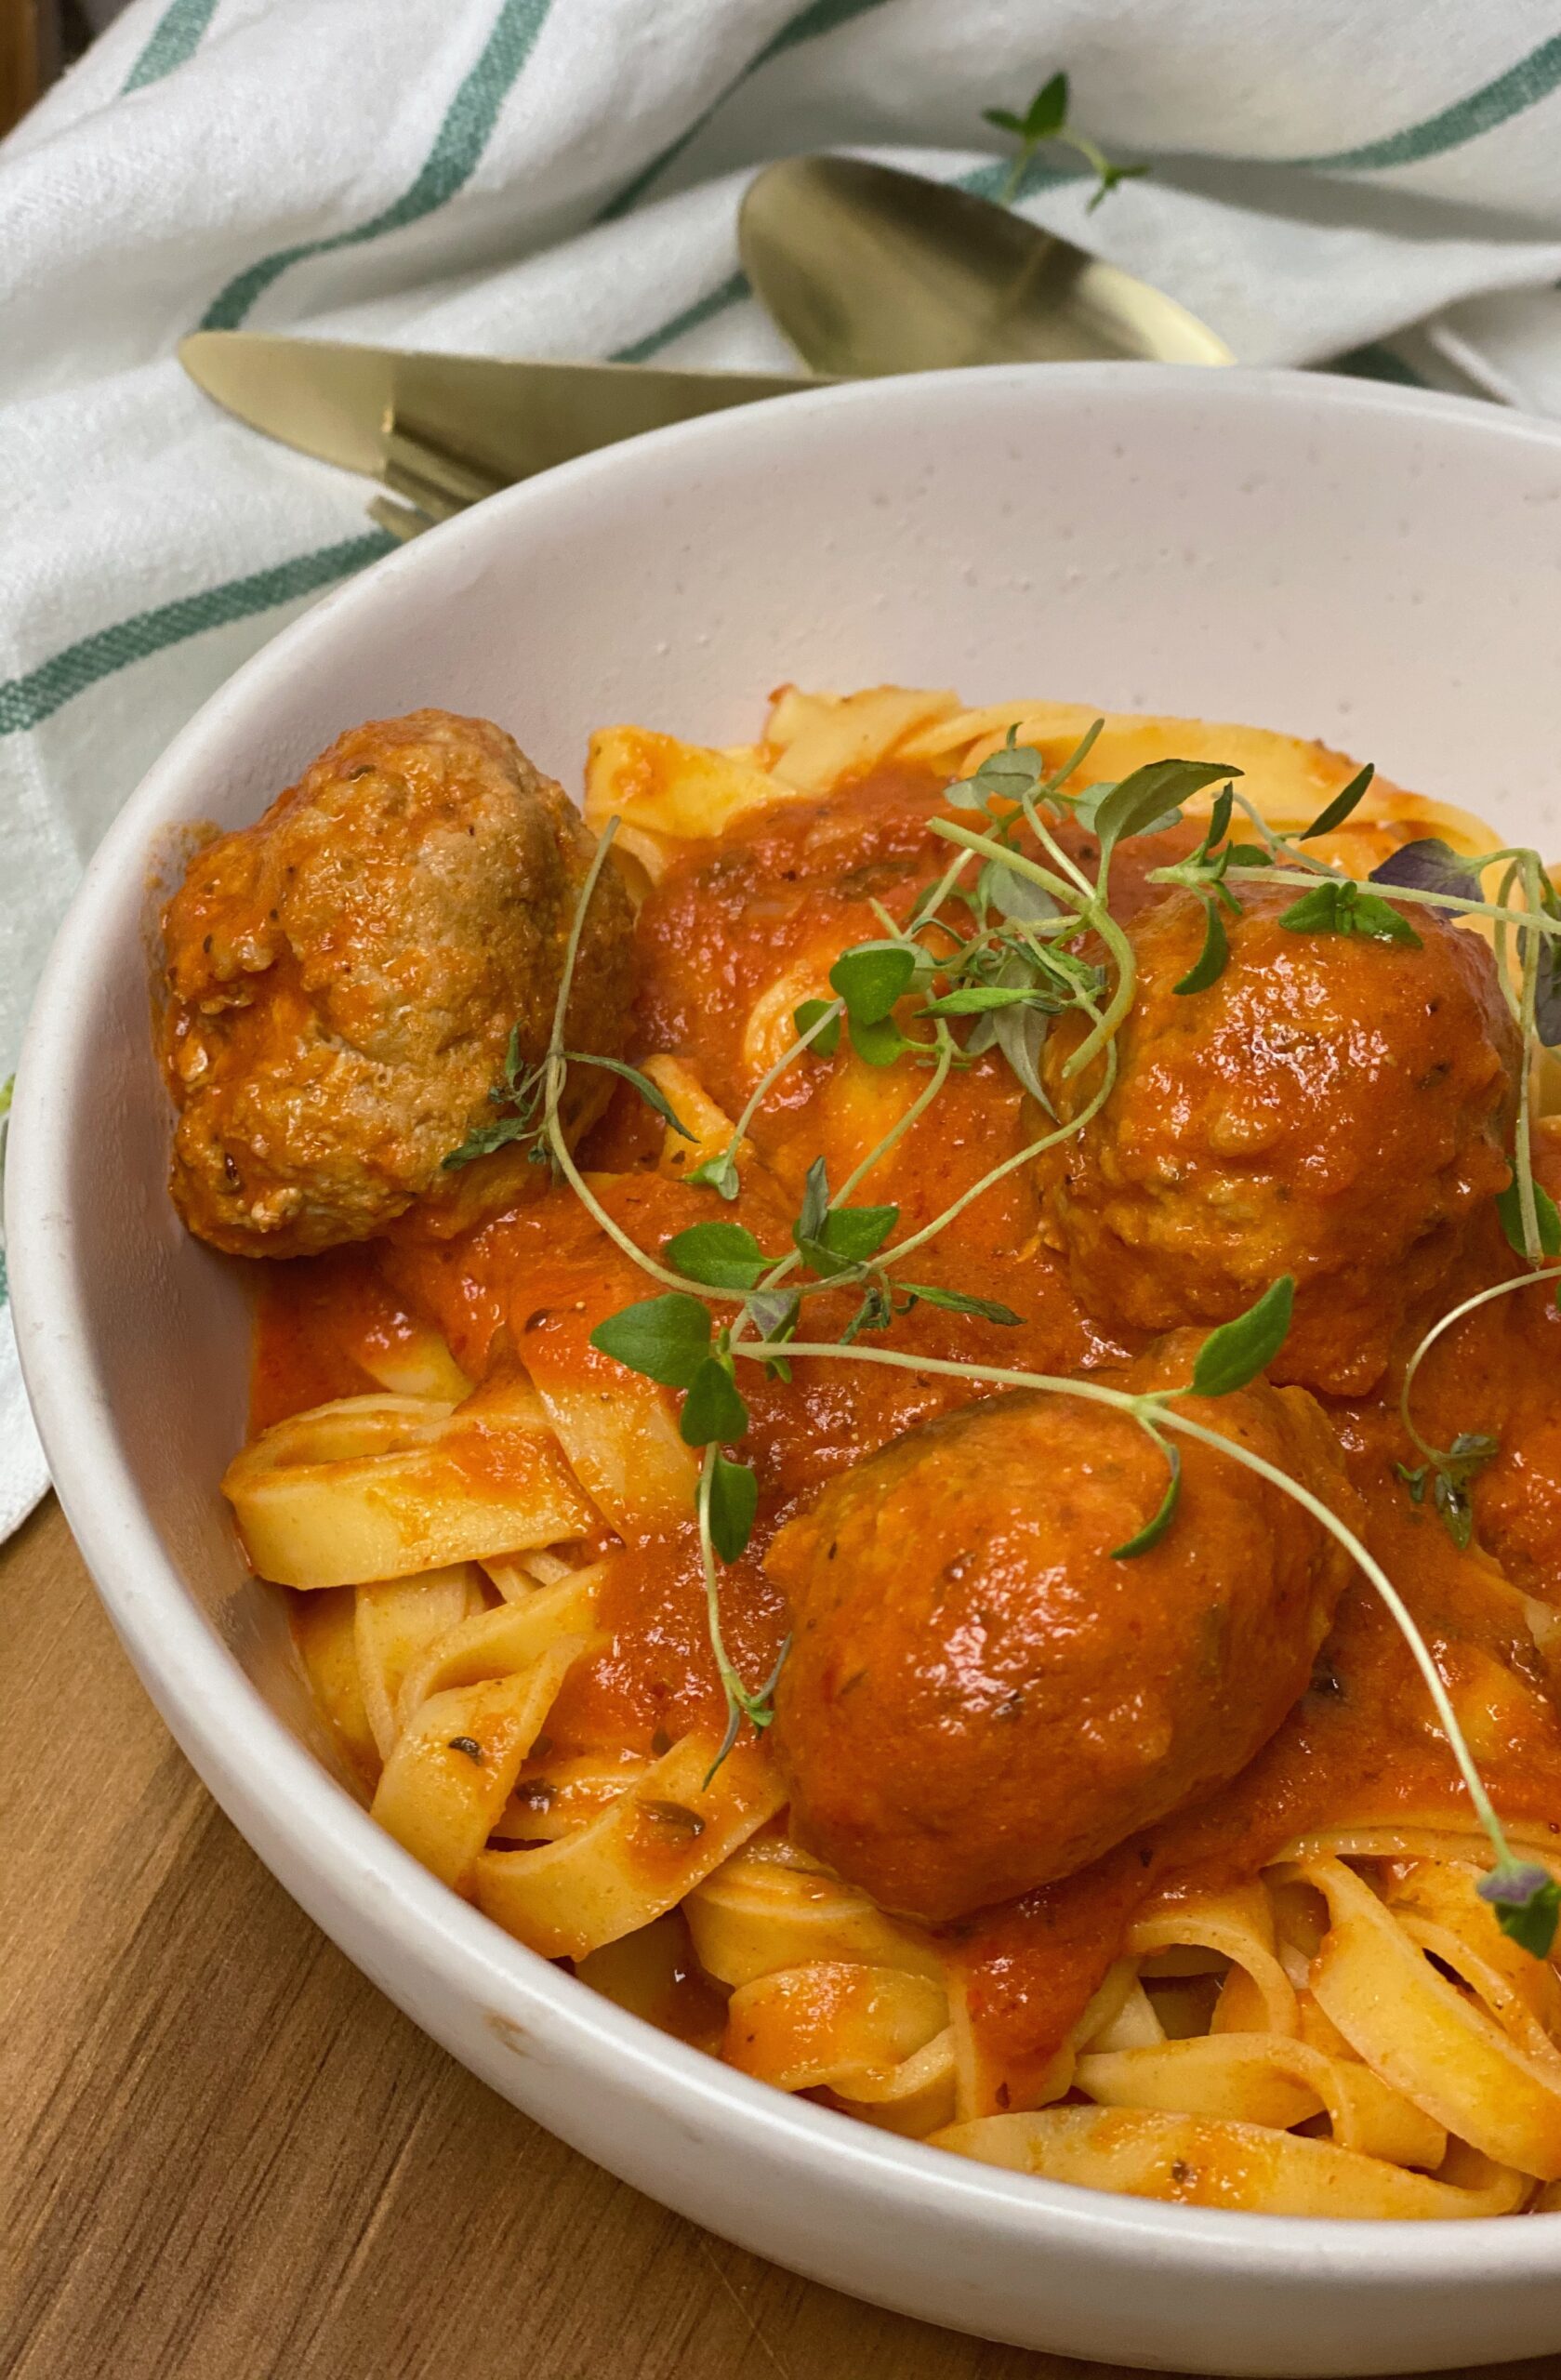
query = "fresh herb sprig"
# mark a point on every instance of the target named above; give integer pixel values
(1045, 119)
(673, 1337)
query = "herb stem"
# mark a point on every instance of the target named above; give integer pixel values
(772, 1075)
(556, 1074)
(1523, 1154)
(1410, 893)
(897, 1131)
(1010, 1165)
(740, 1703)
(1446, 1322)
(1015, 862)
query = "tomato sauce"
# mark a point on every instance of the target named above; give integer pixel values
(770, 904)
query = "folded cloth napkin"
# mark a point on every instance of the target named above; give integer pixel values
(561, 177)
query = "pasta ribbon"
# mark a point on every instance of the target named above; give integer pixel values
(1195, 2162)
(566, 1795)
(651, 1974)
(699, 1114)
(621, 1440)
(497, 1643)
(1266, 2079)
(455, 1762)
(417, 1363)
(1240, 1927)
(324, 1633)
(381, 1486)
(660, 1838)
(770, 1907)
(838, 2026)
(1438, 1908)
(394, 1621)
(658, 785)
(820, 741)
(1420, 2033)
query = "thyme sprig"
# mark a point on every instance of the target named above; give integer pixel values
(1046, 118)
(1020, 959)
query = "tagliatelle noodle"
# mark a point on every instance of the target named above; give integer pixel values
(1355, 1982)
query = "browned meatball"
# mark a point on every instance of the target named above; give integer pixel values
(341, 979)
(980, 1698)
(1332, 1107)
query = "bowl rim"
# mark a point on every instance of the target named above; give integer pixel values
(197, 1683)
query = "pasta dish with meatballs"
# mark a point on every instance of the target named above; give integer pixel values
(906, 1383)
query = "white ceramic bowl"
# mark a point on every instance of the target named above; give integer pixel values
(1374, 566)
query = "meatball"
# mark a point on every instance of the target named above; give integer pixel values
(982, 1696)
(1331, 1107)
(340, 982)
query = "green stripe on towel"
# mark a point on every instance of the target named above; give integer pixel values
(26, 701)
(176, 36)
(1523, 86)
(809, 24)
(454, 157)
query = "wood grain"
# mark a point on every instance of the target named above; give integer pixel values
(224, 2157)
(21, 66)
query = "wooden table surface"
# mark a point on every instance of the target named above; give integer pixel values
(224, 2157)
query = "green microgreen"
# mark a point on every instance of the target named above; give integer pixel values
(733, 1504)
(666, 1338)
(1339, 808)
(1447, 1473)
(1045, 119)
(1527, 1900)
(713, 1413)
(1156, 1526)
(872, 977)
(1214, 959)
(956, 1302)
(1338, 905)
(820, 1021)
(846, 1236)
(722, 1256)
(1238, 1350)
(521, 1092)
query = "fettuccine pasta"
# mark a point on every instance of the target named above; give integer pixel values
(1278, 1988)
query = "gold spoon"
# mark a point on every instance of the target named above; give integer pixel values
(868, 270)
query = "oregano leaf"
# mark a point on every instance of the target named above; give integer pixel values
(871, 978)
(1379, 922)
(1165, 1512)
(666, 1338)
(1509, 1206)
(1429, 866)
(880, 1044)
(651, 1093)
(1238, 1351)
(956, 1301)
(1339, 809)
(724, 1256)
(823, 1044)
(1214, 956)
(713, 1412)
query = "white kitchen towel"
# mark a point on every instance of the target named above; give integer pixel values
(561, 177)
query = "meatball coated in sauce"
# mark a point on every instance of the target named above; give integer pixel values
(341, 980)
(1331, 1107)
(980, 1697)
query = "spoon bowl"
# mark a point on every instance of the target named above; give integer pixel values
(868, 270)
